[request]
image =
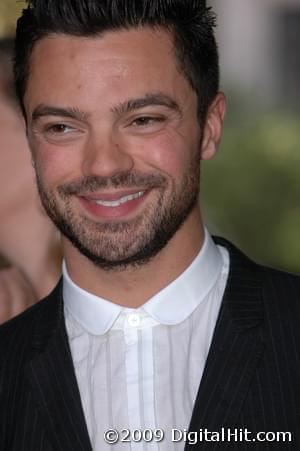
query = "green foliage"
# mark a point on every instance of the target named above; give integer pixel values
(251, 191)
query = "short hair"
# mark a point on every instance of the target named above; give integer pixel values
(191, 23)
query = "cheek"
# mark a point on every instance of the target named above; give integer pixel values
(166, 153)
(55, 166)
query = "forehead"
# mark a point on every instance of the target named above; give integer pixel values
(135, 59)
(112, 53)
(153, 40)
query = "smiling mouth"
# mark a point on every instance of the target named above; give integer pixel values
(117, 202)
(114, 202)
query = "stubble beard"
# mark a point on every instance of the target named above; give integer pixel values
(121, 245)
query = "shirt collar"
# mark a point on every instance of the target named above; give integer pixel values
(170, 306)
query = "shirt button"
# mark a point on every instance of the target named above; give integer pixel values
(134, 320)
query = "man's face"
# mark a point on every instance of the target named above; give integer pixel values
(114, 134)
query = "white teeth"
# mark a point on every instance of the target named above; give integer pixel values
(122, 200)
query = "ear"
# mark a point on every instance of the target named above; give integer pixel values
(213, 126)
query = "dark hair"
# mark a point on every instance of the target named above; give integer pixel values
(190, 21)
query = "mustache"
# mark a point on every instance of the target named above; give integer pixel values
(131, 179)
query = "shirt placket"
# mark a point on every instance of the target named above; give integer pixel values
(139, 375)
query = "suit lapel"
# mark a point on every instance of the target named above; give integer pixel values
(52, 378)
(235, 350)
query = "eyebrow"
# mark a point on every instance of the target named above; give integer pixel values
(124, 107)
(48, 110)
(147, 100)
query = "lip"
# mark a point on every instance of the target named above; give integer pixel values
(112, 196)
(123, 211)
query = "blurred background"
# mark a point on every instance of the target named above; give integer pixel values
(251, 190)
(30, 255)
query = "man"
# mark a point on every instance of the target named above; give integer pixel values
(22, 280)
(155, 330)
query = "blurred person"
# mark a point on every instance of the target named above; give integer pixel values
(155, 325)
(29, 244)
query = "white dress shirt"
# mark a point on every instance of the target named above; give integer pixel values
(141, 368)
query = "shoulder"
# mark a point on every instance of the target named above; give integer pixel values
(281, 295)
(275, 287)
(285, 282)
(16, 350)
(16, 338)
(21, 322)
(17, 334)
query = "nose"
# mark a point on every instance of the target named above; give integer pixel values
(106, 156)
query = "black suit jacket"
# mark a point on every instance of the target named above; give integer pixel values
(251, 379)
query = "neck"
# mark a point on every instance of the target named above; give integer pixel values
(132, 287)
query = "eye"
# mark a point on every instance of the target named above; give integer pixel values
(144, 121)
(59, 129)
(59, 132)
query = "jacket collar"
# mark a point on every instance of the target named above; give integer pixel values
(236, 348)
